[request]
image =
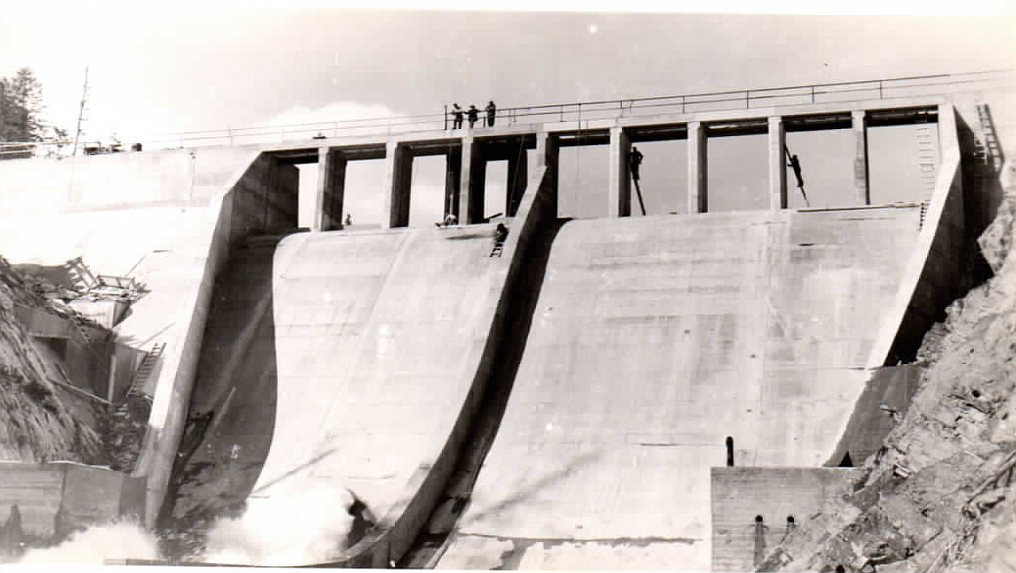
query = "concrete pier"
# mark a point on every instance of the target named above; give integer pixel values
(619, 185)
(861, 182)
(777, 164)
(330, 190)
(698, 176)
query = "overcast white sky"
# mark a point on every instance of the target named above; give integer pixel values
(177, 66)
(169, 66)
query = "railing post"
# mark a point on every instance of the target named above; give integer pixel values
(230, 132)
(880, 89)
(336, 129)
(620, 107)
(812, 94)
(562, 112)
(682, 103)
(747, 99)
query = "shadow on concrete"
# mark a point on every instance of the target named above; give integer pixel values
(523, 295)
(313, 461)
(231, 416)
(539, 485)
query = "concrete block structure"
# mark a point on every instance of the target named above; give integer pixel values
(753, 508)
(58, 498)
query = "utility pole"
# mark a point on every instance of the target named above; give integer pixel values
(81, 113)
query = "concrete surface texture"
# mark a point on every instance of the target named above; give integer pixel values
(784, 499)
(88, 205)
(653, 340)
(371, 329)
(60, 497)
(367, 334)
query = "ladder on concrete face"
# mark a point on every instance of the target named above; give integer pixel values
(927, 158)
(144, 371)
(990, 148)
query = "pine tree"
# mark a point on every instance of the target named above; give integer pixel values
(21, 119)
(21, 107)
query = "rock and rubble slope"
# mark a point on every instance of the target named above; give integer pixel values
(37, 423)
(939, 495)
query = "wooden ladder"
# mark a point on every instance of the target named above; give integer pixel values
(144, 371)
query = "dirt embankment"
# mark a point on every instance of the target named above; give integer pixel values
(939, 495)
(38, 424)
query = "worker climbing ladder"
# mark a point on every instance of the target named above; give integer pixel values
(795, 164)
(500, 236)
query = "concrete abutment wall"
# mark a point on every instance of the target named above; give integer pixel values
(932, 276)
(260, 196)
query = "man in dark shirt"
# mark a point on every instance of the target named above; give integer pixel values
(457, 114)
(474, 115)
(491, 112)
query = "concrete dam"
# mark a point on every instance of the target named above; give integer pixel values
(571, 400)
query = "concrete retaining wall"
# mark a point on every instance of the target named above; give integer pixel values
(932, 276)
(56, 498)
(740, 495)
(196, 268)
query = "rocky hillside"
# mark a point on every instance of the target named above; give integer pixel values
(939, 495)
(36, 424)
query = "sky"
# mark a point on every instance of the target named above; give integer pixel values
(169, 67)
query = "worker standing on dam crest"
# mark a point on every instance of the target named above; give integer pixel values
(474, 115)
(634, 161)
(491, 112)
(457, 116)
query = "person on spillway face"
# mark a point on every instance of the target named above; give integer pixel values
(450, 220)
(474, 115)
(491, 112)
(457, 116)
(634, 161)
(500, 234)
